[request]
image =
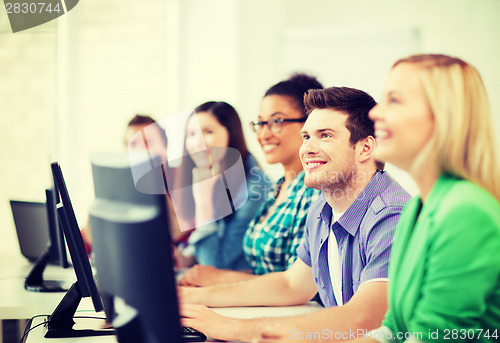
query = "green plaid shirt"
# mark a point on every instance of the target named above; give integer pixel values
(271, 244)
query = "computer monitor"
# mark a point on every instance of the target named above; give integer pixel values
(60, 323)
(41, 241)
(132, 247)
(32, 227)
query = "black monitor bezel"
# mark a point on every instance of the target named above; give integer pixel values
(57, 248)
(74, 240)
(60, 322)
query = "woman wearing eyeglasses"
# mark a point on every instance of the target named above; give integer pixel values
(274, 234)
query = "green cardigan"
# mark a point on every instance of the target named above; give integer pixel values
(444, 270)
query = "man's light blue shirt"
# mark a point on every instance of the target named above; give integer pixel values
(364, 237)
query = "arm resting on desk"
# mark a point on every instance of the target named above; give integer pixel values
(362, 313)
(293, 287)
(202, 275)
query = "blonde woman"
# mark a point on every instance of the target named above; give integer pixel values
(434, 121)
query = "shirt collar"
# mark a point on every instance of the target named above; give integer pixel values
(326, 212)
(298, 180)
(277, 186)
(352, 217)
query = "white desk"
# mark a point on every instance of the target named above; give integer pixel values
(16, 304)
(15, 301)
(36, 336)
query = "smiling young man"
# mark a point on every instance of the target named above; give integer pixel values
(345, 253)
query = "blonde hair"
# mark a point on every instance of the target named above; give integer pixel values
(463, 141)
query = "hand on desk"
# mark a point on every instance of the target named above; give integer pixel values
(214, 325)
(201, 318)
(199, 275)
(188, 295)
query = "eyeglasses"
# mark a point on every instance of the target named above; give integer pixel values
(274, 125)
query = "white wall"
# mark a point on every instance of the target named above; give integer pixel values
(119, 57)
(466, 28)
(469, 29)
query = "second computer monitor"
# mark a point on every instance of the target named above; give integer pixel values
(132, 246)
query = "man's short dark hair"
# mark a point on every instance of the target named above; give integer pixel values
(353, 102)
(143, 120)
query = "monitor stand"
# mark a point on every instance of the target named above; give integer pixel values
(60, 323)
(34, 281)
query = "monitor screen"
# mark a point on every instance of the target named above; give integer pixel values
(132, 248)
(41, 241)
(37, 229)
(32, 227)
(60, 323)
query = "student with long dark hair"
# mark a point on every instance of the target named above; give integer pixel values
(214, 143)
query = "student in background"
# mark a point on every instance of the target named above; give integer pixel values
(156, 142)
(274, 234)
(348, 235)
(217, 240)
(143, 132)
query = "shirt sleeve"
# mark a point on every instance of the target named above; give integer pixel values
(378, 244)
(224, 247)
(300, 243)
(462, 279)
(234, 229)
(303, 251)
